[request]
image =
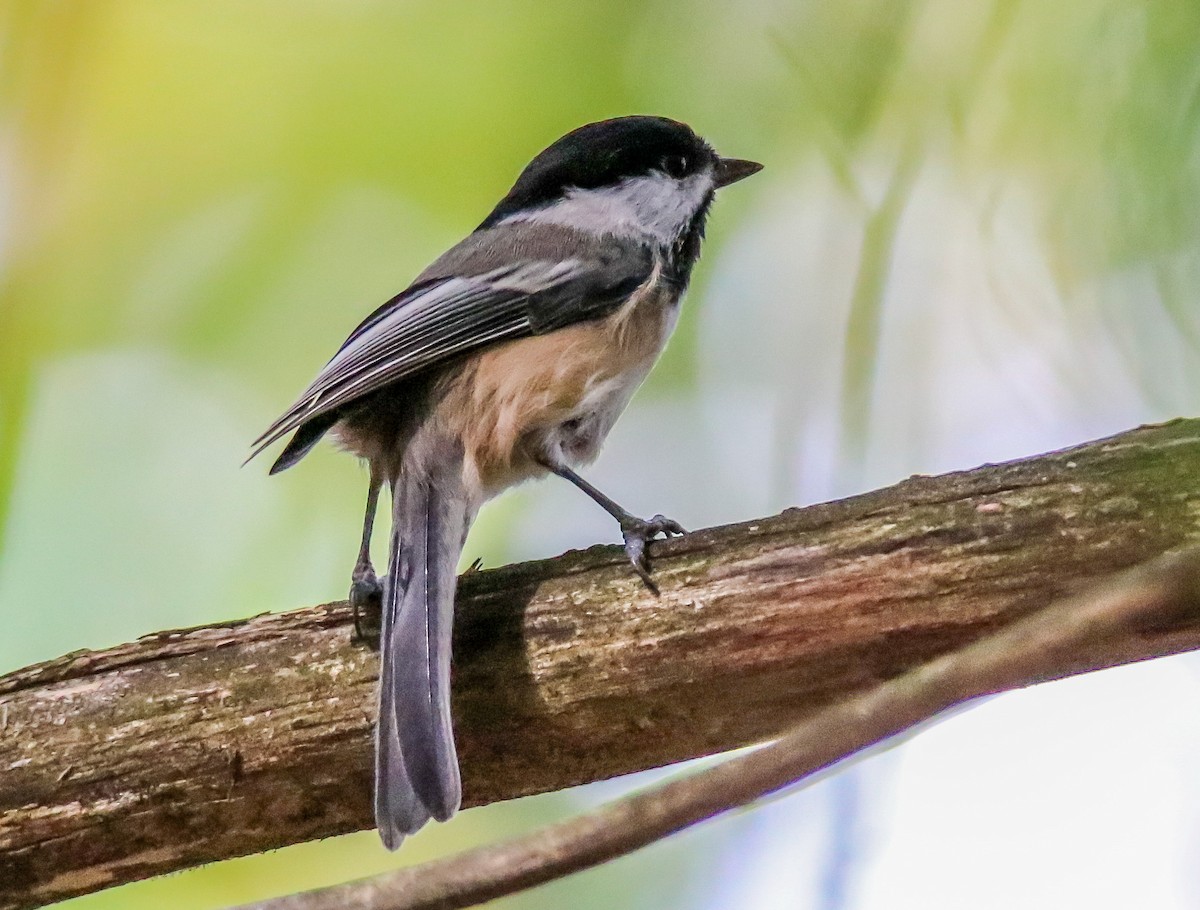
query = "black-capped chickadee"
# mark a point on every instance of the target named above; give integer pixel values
(508, 358)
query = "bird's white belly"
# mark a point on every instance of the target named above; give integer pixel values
(580, 437)
(606, 397)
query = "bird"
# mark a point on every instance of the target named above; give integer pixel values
(509, 358)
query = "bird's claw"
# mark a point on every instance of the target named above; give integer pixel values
(366, 600)
(637, 533)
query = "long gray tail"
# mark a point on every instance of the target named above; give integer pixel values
(416, 768)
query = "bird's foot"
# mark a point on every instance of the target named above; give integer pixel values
(366, 600)
(637, 533)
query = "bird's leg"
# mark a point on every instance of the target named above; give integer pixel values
(366, 594)
(637, 532)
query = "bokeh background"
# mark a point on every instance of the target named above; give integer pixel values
(977, 237)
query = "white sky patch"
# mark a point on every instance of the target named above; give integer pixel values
(1077, 794)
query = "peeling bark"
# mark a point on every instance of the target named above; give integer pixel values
(192, 746)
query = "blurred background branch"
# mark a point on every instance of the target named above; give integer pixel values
(865, 319)
(191, 746)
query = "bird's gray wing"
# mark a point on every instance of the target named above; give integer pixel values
(442, 317)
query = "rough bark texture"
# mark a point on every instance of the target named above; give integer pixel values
(1168, 586)
(186, 747)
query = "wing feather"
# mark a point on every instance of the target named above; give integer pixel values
(439, 319)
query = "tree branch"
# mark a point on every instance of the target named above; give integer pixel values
(192, 746)
(1029, 649)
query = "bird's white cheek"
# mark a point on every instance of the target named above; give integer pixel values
(653, 206)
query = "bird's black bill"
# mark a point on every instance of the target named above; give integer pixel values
(731, 170)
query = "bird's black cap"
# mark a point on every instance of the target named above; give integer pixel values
(603, 153)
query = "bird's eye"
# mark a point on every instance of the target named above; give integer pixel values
(675, 165)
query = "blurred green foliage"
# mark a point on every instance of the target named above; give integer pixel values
(199, 200)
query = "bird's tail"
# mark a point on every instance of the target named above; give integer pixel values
(416, 768)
